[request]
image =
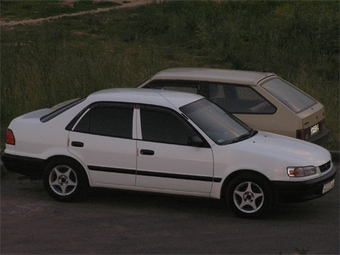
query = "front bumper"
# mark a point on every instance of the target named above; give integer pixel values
(30, 167)
(303, 191)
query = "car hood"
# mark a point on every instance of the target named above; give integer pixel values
(278, 148)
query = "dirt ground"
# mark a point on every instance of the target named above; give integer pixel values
(123, 222)
(124, 4)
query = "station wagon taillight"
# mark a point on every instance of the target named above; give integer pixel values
(10, 139)
(303, 134)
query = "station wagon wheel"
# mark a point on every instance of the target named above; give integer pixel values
(64, 180)
(249, 196)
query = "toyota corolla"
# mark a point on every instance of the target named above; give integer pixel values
(167, 142)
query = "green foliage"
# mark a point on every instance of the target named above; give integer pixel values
(47, 63)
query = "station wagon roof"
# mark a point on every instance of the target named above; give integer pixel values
(211, 74)
(144, 96)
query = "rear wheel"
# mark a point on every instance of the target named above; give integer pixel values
(65, 180)
(249, 195)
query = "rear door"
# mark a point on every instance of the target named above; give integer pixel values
(165, 160)
(102, 140)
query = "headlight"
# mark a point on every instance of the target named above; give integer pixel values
(301, 171)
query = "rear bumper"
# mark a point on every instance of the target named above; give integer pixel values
(303, 191)
(30, 167)
(321, 138)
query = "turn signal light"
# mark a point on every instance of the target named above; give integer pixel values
(301, 171)
(10, 139)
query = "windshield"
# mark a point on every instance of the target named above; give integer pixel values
(220, 126)
(293, 98)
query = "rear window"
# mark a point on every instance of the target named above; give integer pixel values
(60, 108)
(293, 98)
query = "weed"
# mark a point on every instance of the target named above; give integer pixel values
(302, 251)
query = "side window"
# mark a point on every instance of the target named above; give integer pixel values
(107, 120)
(239, 99)
(163, 126)
(182, 86)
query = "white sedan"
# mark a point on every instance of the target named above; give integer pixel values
(164, 141)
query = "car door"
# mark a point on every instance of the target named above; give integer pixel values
(166, 161)
(102, 140)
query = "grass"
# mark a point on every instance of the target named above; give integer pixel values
(46, 63)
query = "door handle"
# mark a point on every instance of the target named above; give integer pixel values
(147, 152)
(77, 144)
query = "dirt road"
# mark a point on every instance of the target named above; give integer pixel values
(123, 4)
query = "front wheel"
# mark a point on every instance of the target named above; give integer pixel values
(64, 180)
(249, 196)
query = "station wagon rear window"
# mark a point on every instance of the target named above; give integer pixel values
(293, 98)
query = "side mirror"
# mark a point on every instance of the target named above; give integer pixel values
(195, 141)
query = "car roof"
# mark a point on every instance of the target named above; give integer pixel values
(212, 74)
(144, 96)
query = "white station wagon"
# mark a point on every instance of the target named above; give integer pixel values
(263, 101)
(168, 142)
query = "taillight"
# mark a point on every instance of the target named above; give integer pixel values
(323, 124)
(10, 139)
(303, 134)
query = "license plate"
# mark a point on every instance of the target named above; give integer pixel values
(314, 129)
(328, 186)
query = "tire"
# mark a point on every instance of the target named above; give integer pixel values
(249, 196)
(65, 180)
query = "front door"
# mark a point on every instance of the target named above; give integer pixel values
(166, 161)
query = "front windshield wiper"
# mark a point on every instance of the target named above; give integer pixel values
(251, 133)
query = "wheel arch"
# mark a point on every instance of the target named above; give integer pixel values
(63, 157)
(234, 175)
